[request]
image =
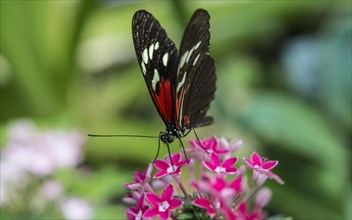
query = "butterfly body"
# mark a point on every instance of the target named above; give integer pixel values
(181, 85)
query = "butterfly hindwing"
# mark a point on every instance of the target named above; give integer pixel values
(195, 83)
(157, 57)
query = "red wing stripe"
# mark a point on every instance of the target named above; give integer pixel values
(163, 100)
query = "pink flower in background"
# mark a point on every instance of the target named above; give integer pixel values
(161, 182)
(140, 179)
(259, 164)
(41, 152)
(52, 190)
(262, 168)
(230, 146)
(217, 166)
(74, 209)
(29, 159)
(137, 212)
(163, 205)
(211, 145)
(165, 167)
(205, 204)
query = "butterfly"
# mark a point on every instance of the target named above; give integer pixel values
(181, 84)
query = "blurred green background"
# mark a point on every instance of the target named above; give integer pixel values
(284, 88)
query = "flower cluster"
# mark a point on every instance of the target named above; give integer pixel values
(28, 162)
(220, 190)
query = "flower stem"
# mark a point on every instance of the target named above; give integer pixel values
(179, 183)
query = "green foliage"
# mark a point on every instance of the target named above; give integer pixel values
(71, 64)
(190, 211)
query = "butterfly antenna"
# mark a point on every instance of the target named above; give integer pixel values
(121, 135)
(195, 133)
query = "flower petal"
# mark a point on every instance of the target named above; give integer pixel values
(248, 163)
(176, 158)
(231, 170)
(219, 184)
(174, 203)
(237, 184)
(161, 174)
(140, 202)
(161, 165)
(151, 212)
(256, 159)
(229, 162)
(209, 165)
(164, 215)
(132, 186)
(184, 162)
(153, 199)
(205, 204)
(268, 165)
(167, 193)
(215, 159)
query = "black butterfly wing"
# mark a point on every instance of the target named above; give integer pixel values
(195, 74)
(157, 57)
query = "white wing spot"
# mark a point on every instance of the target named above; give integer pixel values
(195, 60)
(151, 50)
(156, 45)
(180, 84)
(165, 58)
(155, 79)
(183, 59)
(190, 54)
(145, 55)
(198, 44)
(144, 70)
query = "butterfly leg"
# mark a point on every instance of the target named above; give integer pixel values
(200, 143)
(157, 153)
(168, 150)
(183, 148)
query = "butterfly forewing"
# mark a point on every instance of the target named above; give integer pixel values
(195, 74)
(181, 86)
(157, 57)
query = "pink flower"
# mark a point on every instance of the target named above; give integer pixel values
(41, 152)
(262, 198)
(140, 179)
(260, 164)
(262, 168)
(162, 206)
(74, 208)
(219, 189)
(205, 204)
(211, 145)
(219, 167)
(133, 197)
(136, 212)
(165, 167)
(230, 146)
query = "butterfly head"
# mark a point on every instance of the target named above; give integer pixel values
(171, 134)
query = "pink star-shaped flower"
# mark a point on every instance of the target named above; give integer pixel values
(262, 167)
(259, 164)
(140, 179)
(211, 144)
(165, 167)
(136, 212)
(205, 204)
(162, 206)
(219, 189)
(219, 167)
